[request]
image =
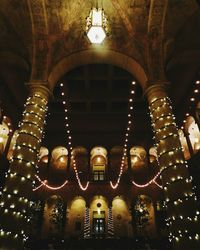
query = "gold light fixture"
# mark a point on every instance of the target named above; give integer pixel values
(96, 26)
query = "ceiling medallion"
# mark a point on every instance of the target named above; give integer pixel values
(96, 26)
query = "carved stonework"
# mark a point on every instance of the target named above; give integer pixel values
(155, 36)
(40, 31)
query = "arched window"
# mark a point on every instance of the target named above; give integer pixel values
(75, 217)
(152, 154)
(80, 155)
(59, 158)
(99, 215)
(98, 162)
(144, 217)
(54, 217)
(43, 155)
(138, 157)
(121, 218)
(194, 134)
(4, 131)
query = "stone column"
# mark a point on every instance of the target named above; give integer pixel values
(15, 201)
(180, 200)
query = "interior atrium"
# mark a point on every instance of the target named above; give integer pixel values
(100, 124)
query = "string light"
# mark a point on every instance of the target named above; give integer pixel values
(162, 133)
(44, 183)
(153, 180)
(69, 139)
(127, 134)
(21, 169)
(194, 98)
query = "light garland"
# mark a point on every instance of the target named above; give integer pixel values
(11, 200)
(127, 134)
(173, 164)
(193, 99)
(153, 180)
(69, 139)
(38, 187)
(43, 183)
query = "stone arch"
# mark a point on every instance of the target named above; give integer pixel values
(53, 216)
(99, 211)
(98, 162)
(43, 155)
(59, 158)
(4, 134)
(75, 217)
(143, 216)
(81, 155)
(121, 217)
(194, 134)
(138, 157)
(95, 57)
(116, 154)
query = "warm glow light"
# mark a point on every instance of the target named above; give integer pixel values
(153, 180)
(44, 183)
(98, 159)
(96, 26)
(96, 35)
(71, 150)
(62, 159)
(114, 186)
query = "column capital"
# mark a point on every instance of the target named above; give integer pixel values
(156, 90)
(156, 85)
(40, 86)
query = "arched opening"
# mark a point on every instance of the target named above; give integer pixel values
(143, 217)
(98, 161)
(194, 134)
(139, 161)
(99, 217)
(43, 156)
(116, 154)
(184, 144)
(4, 132)
(80, 155)
(96, 57)
(75, 217)
(59, 158)
(54, 217)
(121, 218)
(152, 154)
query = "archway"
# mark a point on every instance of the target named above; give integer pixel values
(75, 217)
(97, 57)
(121, 218)
(99, 216)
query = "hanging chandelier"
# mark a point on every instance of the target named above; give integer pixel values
(96, 26)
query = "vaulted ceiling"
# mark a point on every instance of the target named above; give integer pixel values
(35, 36)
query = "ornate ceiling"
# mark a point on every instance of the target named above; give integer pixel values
(45, 31)
(37, 35)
